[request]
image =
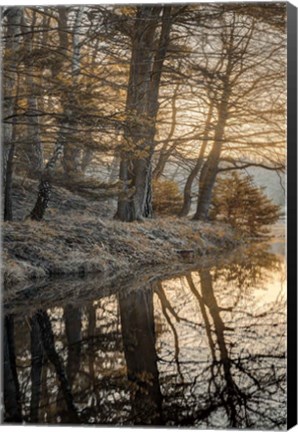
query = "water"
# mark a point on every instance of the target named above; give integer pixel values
(204, 348)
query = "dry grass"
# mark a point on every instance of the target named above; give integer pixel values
(77, 238)
(85, 244)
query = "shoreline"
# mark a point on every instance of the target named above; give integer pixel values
(69, 289)
(37, 251)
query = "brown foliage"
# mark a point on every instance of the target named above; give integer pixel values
(167, 199)
(237, 201)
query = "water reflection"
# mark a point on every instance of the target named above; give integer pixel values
(138, 335)
(204, 349)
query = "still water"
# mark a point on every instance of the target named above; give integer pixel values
(204, 348)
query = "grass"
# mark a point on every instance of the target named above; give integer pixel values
(84, 240)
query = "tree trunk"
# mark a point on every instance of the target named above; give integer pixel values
(167, 148)
(207, 180)
(195, 171)
(73, 327)
(8, 215)
(209, 171)
(142, 108)
(86, 158)
(34, 150)
(36, 370)
(138, 334)
(43, 197)
(12, 404)
(232, 395)
(48, 343)
(9, 98)
(72, 152)
(45, 187)
(91, 350)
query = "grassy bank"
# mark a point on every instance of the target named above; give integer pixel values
(83, 240)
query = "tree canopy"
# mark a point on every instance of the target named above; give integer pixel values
(134, 93)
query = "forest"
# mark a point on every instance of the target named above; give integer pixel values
(143, 203)
(114, 99)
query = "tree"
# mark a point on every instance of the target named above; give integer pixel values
(151, 87)
(236, 81)
(147, 58)
(238, 202)
(10, 99)
(167, 198)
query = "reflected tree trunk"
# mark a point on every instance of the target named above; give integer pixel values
(12, 403)
(36, 369)
(45, 397)
(231, 396)
(48, 342)
(138, 334)
(73, 327)
(91, 347)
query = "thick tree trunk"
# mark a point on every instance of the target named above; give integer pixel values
(138, 334)
(48, 343)
(207, 180)
(45, 187)
(8, 215)
(34, 150)
(43, 197)
(73, 327)
(142, 108)
(12, 403)
(72, 152)
(10, 83)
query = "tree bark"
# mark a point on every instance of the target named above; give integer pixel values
(167, 148)
(34, 150)
(8, 214)
(71, 151)
(195, 171)
(209, 171)
(142, 108)
(9, 99)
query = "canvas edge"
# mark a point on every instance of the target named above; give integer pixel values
(291, 215)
